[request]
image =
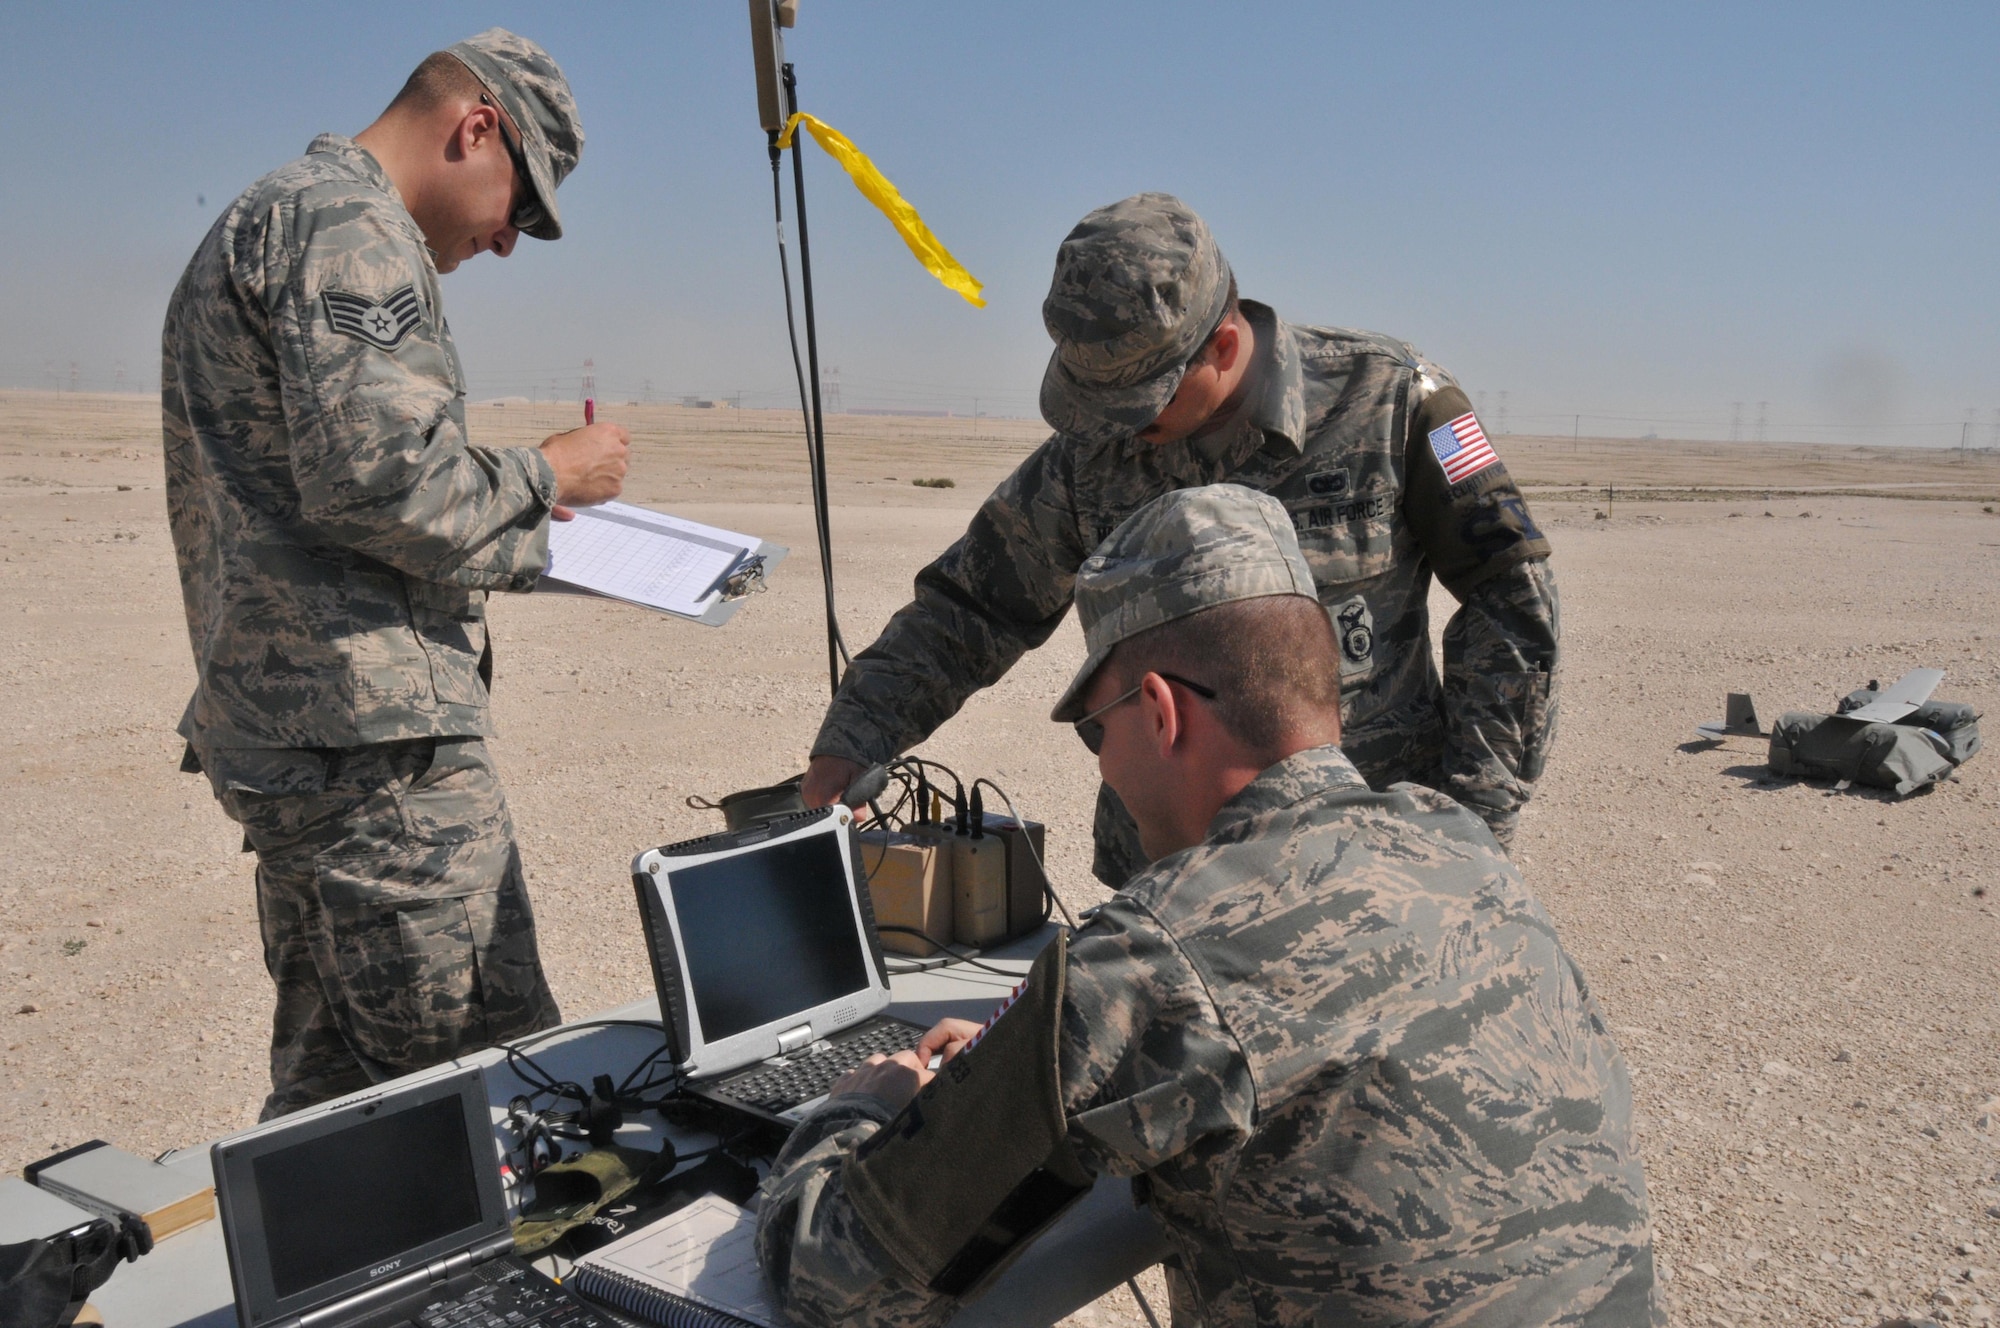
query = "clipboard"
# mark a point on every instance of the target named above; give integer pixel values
(657, 561)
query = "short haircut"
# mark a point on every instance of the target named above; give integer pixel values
(1273, 662)
(1230, 308)
(441, 80)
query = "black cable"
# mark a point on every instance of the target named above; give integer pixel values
(822, 528)
(1048, 886)
(919, 764)
(956, 958)
(836, 646)
(1132, 1284)
(543, 1084)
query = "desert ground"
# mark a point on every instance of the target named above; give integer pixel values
(1806, 982)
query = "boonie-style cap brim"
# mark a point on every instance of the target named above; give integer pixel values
(1070, 708)
(534, 145)
(1092, 414)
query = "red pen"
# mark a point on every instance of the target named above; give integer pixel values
(589, 411)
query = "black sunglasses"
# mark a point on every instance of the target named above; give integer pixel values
(1092, 732)
(528, 213)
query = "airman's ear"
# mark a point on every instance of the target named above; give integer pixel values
(1225, 346)
(477, 128)
(1163, 718)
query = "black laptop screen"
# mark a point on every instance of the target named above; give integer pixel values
(767, 933)
(361, 1196)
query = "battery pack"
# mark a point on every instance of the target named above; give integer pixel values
(1027, 886)
(910, 885)
(979, 889)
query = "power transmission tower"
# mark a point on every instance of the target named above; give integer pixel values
(1763, 417)
(830, 389)
(1736, 422)
(1502, 430)
(118, 376)
(649, 391)
(72, 377)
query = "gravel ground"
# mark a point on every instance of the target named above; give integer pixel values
(1804, 981)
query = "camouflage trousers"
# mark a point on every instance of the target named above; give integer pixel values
(394, 914)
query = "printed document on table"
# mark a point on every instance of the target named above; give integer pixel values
(647, 558)
(703, 1257)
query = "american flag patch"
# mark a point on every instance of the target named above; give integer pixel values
(1462, 448)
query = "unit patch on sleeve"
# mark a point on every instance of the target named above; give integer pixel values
(1461, 448)
(384, 322)
(1354, 625)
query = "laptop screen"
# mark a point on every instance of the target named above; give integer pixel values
(360, 1193)
(767, 933)
(340, 1203)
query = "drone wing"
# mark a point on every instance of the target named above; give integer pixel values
(1900, 697)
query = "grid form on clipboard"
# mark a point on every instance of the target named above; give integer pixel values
(647, 558)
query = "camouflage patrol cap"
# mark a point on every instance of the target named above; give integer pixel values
(532, 90)
(1185, 551)
(1139, 286)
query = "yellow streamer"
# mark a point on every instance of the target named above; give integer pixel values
(875, 187)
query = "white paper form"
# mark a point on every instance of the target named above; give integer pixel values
(645, 557)
(706, 1253)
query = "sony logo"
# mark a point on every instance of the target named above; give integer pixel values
(388, 1267)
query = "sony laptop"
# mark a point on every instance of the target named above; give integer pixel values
(378, 1210)
(769, 969)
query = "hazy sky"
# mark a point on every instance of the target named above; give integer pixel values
(1642, 214)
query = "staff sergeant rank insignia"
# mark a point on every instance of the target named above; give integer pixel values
(384, 322)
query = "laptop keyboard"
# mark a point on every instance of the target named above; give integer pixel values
(808, 1073)
(515, 1298)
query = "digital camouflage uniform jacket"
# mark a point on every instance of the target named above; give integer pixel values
(1337, 431)
(1354, 1072)
(335, 531)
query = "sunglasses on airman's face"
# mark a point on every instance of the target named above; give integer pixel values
(1091, 731)
(527, 213)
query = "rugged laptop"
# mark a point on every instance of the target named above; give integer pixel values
(769, 969)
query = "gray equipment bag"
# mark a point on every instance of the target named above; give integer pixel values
(1954, 721)
(1891, 756)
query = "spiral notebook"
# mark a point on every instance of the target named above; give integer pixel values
(696, 1268)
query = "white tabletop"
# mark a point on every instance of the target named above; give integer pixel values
(1102, 1241)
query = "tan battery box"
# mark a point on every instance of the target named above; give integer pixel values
(910, 885)
(978, 889)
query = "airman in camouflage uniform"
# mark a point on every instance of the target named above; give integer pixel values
(337, 534)
(1336, 1043)
(1375, 454)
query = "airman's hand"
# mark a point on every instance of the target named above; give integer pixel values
(946, 1039)
(890, 1080)
(827, 777)
(590, 465)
